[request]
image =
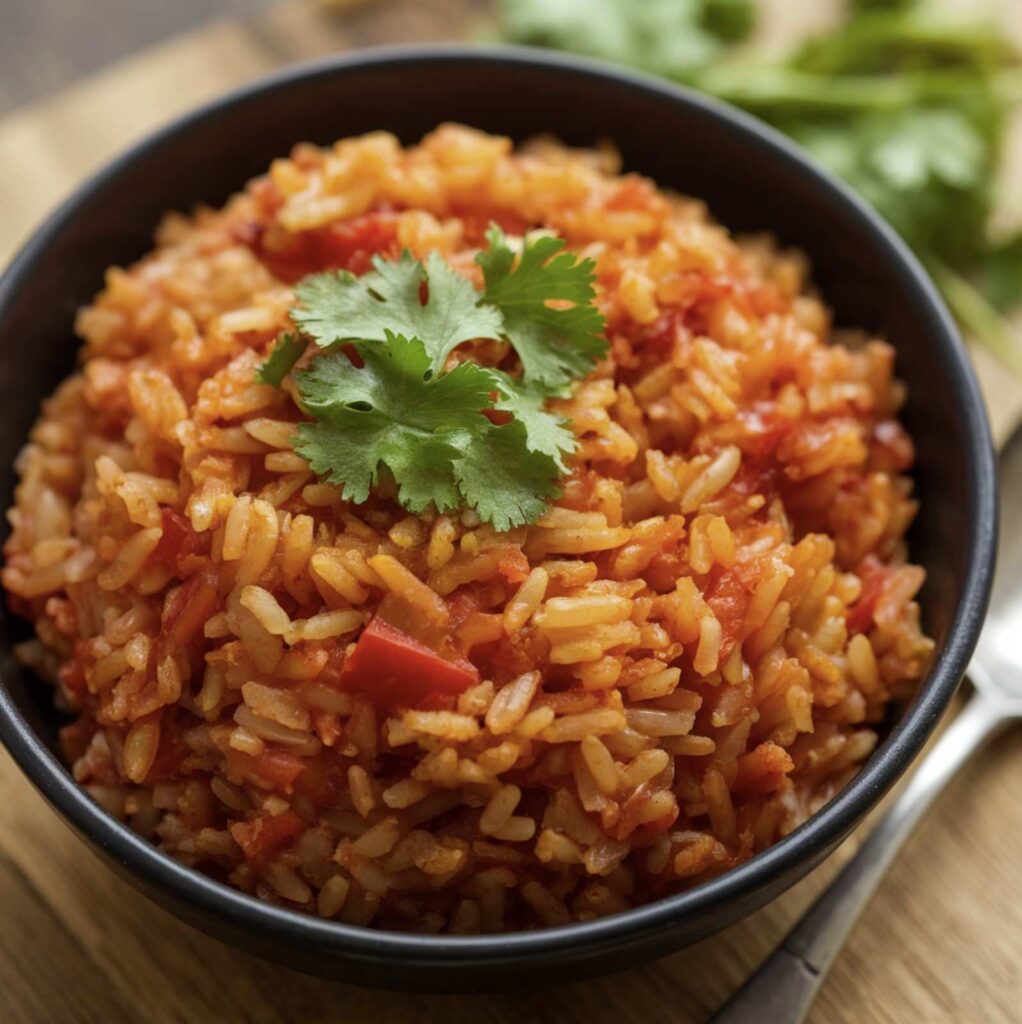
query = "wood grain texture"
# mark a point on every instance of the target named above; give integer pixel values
(47, 44)
(939, 944)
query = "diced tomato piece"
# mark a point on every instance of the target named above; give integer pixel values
(262, 836)
(498, 417)
(873, 574)
(512, 563)
(352, 243)
(196, 601)
(348, 245)
(178, 541)
(170, 751)
(290, 264)
(763, 428)
(756, 476)
(728, 597)
(72, 675)
(323, 781)
(648, 833)
(393, 669)
(273, 769)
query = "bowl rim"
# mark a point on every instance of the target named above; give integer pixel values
(178, 884)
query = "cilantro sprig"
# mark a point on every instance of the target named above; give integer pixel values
(908, 102)
(555, 344)
(426, 430)
(386, 406)
(339, 306)
(434, 303)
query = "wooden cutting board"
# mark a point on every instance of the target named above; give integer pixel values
(940, 943)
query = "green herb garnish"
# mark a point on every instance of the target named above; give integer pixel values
(525, 401)
(288, 350)
(386, 406)
(342, 307)
(555, 345)
(904, 101)
(427, 429)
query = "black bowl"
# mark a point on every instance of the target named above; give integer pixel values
(753, 180)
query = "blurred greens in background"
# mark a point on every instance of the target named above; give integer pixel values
(905, 102)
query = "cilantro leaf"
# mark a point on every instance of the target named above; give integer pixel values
(387, 406)
(288, 350)
(428, 430)
(503, 481)
(555, 345)
(937, 145)
(927, 172)
(544, 432)
(338, 306)
(391, 412)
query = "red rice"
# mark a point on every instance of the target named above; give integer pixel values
(680, 662)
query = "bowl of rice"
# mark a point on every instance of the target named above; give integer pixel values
(508, 518)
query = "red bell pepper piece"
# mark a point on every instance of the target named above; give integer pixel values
(393, 669)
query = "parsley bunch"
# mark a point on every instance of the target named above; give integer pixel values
(906, 103)
(383, 400)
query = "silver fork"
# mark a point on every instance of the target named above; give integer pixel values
(782, 990)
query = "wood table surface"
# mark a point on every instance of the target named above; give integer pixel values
(940, 944)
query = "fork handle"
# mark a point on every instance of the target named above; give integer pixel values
(782, 990)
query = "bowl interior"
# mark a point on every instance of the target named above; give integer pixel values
(750, 181)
